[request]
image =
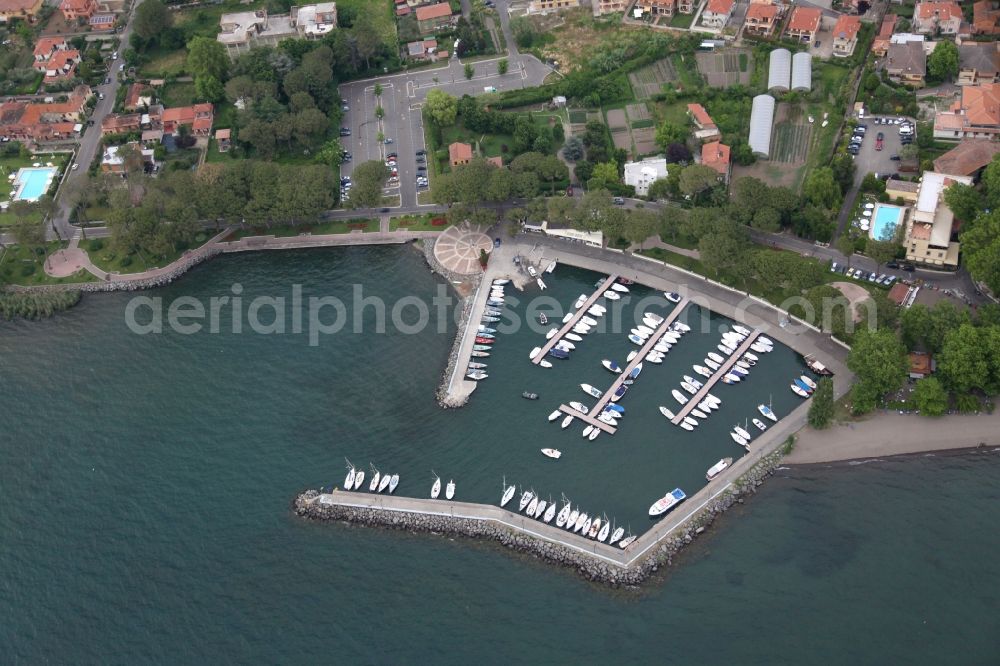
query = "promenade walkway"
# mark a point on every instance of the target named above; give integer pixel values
(716, 376)
(575, 319)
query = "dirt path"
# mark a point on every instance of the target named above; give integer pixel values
(894, 434)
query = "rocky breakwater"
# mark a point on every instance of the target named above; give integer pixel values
(313, 505)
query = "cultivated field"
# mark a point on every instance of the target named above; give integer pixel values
(726, 68)
(649, 80)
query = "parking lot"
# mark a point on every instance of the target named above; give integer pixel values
(869, 160)
(402, 122)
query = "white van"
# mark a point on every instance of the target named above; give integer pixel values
(489, 89)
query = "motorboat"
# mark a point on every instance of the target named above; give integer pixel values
(596, 311)
(750, 357)
(645, 330)
(545, 364)
(703, 371)
(742, 330)
(759, 348)
(495, 301)
(706, 406)
(760, 424)
(551, 333)
(679, 397)
(481, 347)
(767, 412)
(808, 382)
(717, 468)
(491, 312)
(501, 281)
(540, 509)
(681, 326)
(654, 357)
(627, 541)
(747, 361)
(620, 287)
(594, 433)
(586, 526)
(531, 271)
(525, 499)
(483, 340)
(532, 505)
(566, 344)
(661, 347)
(554, 415)
(700, 414)
(490, 319)
(635, 339)
(551, 267)
(542, 319)
(587, 430)
(690, 421)
(541, 284)
(573, 337)
(742, 432)
(653, 316)
(689, 388)
(619, 392)
(817, 367)
(715, 357)
(686, 426)
(672, 296)
(581, 520)
(711, 364)
(359, 478)
(634, 373)
(476, 375)
(602, 535)
(631, 355)
(552, 453)
(384, 483)
(739, 439)
(743, 365)
(567, 317)
(436, 488)
(484, 329)
(615, 407)
(376, 477)
(613, 413)
(740, 372)
(449, 491)
(550, 512)
(393, 482)
(611, 366)
(558, 353)
(733, 335)
(650, 322)
(574, 516)
(587, 388)
(563, 514)
(611, 295)
(508, 494)
(765, 341)
(797, 390)
(637, 332)
(566, 421)
(580, 407)
(527, 395)
(730, 378)
(616, 535)
(802, 385)
(709, 396)
(589, 321)
(579, 302)
(667, 502)
(595, 528)
(692, 381)
(725, 349)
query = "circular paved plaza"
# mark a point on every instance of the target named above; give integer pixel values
(458, 249)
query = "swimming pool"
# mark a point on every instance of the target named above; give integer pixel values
(885, 220)
(32, 183)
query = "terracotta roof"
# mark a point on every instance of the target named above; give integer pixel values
(497, 161)
(984, 16)
(223, 133)
(427, 12)
(888, 25)
(898, 293)
(847, 27)
(716, 155)
(46, 45)
(11, 6)
(982, 103)
(701, 116)
(943, 10)
(920, 363)
(805, 19)
(430, 44)
(967, 157)
(75, 5)
(114, 122)
(719, 6)
(902, 186)
(403, 10)
(762, 12)
(135, 91)
(459, 152)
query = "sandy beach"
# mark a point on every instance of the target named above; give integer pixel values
(894, 434)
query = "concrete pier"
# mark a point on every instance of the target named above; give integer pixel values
(577, 316)
(714, 379)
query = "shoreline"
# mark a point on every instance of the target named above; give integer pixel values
(909, 455)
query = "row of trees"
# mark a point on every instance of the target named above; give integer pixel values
(480, 181)
(980, 234)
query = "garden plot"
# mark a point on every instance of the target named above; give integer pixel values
(723, 69)
(639, 116)
(792, 136)
(649, 80)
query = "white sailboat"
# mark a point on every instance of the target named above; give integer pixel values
(580, 522)
(359, 478)
(384, 483)
(627, 541)
(532, 505)
(376, 476)
(525, 499)
(602, 536)
(742, 432)
(563, 513)
(760, 424)
(616, 535)
(436, 488)
(449, 491)
(349, 479)
(393, 482)
(540, 509)
(574, 515)
(595, 527)
(550, 512)
(508, 493)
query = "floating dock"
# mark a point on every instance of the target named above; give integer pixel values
(714, 379)
(577, 316)
(602, 402)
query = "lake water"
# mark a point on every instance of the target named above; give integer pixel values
(146, 480)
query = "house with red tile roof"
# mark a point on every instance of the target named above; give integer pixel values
(845, 35)
(121, 123)
(761, 19)
(137, 97)
(968, 158)
(459, 153)
(804, 24)
(26, 10)
(716, 155)
(932, 16)
(78, 9)
(975, 116)
(158, 121)
(46, 46)
(60, 65)
(198, 117)
(33, 123)
(431, 18)
(707, 128)
(717, 13)
(881, 43)
(985, 18)
(657, 8)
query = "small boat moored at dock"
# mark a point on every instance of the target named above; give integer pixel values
(766, 411)
(449, 491)
(667, 502)
(611, 366)
(760, 424)
(797, 390)
(436, 487)
(808, 382)
(717, 468)
(590, 390)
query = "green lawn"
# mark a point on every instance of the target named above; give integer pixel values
(681, 20)
(417, 223)
(162, 63)
(675, 113)
(829, 77)
(177, 94)
(687, 71)
(318, 229)
(19, 265)
(107, 259)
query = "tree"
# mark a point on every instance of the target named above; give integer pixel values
(843, 171)
(961, 364)
(881, 251)
(206, 57)
(697, 178)
(964, 201)
(678, 152)
(152, 19)
(573, 148)
(331, 154)
(669, 133)
(767, 219)
(822, 188)
(470, 71)
(821, 405)
(981, 247)
(605, 175)
(525, 133)
(878, 360)
(724, 249)
(368, 179)
(28, 233)
(502, 66)
(379, 112)
(845, 245)
(930, 397)
(378, 89)
(441, 107)
(208, 88)
(943, 62)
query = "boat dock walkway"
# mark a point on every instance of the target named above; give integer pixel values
(714, 379)
(577, 316)
(602, 402)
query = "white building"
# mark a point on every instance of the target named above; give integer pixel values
(641, 175)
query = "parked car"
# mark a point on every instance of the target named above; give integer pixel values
(909, 268)
(892, 264)
(388, 141)
(889, 280)
(894, 158)
(421, 152)
(878, 141)
(618, 201)
(345, 131)
(833, 267)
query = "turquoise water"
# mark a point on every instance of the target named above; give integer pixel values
(885, 221)
(145, 484)
(33, 183)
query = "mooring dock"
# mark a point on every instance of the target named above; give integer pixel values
(577, 316)
(591, 417)
(714, 379)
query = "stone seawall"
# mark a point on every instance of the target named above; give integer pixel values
(630, 572)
